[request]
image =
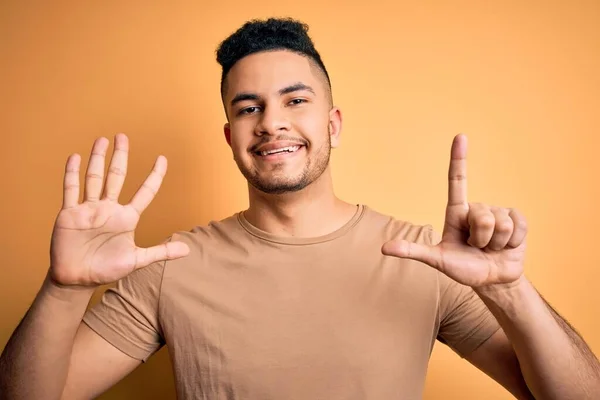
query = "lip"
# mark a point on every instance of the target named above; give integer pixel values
(278, 156)
(280, 144)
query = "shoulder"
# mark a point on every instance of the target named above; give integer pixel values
(391, 227)
(221, 230)
(384, 227)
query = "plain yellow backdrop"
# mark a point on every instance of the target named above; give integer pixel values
(519, 78)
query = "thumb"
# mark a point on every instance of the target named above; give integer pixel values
(162, 252)
(429, 255)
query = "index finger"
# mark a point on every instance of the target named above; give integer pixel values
(457, 173)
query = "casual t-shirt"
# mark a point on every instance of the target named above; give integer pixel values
(251, 315)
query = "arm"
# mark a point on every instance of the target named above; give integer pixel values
(484, 247)
(552, 358)
(52, 350)
(95, 366)
(92, 245)
(497, 359)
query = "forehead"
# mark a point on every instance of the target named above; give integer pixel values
(267, 72)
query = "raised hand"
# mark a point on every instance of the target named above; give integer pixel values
(93, 241)
(481, 245)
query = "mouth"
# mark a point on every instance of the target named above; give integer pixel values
(277, 151)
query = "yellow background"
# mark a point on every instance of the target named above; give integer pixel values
(521, 79)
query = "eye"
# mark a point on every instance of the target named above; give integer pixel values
(295, 102)
(249, 110)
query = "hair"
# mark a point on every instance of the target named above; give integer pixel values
(267, 35)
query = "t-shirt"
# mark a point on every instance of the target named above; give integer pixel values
(251, 315)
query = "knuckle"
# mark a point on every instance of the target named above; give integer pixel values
(92, 175)
(504, 226)
(117, 171)
(485, 221)
(149, 188)
(521, 224)
(458, 177)
(519, 219)
(477, 208)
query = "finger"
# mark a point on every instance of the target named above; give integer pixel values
(481, 225)
(457, 173)
(94, 176)
(146, 193)
(71, 181)
(162, 252)
(117, 169)
(520, 228)
(503, 229)
(429, 255)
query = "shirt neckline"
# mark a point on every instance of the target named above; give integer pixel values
(291, 240)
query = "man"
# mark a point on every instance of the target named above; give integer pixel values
(302, 295)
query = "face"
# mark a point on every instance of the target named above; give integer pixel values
(281, 123)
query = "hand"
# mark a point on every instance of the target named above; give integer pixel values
(93, 241)
(481, 245)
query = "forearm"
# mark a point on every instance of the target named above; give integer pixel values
(35, 361)
(555, 361)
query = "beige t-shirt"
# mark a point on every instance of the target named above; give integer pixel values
(250, 315)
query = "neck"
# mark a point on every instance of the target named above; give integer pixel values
(310, 212)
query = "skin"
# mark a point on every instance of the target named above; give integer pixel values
(535, 353)
(280, 98)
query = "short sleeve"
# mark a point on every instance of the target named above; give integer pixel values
(465, 320)
(127, 314)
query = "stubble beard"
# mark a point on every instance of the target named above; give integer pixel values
(277, 182)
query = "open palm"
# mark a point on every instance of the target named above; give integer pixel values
(481, 245)
(93, 241)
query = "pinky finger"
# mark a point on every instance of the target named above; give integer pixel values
(520, 228)
(71, 182)
(162, 252)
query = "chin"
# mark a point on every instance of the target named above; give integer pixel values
(279, 186)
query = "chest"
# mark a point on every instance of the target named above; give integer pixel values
(254, 326)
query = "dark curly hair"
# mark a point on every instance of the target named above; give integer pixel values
(267, 35)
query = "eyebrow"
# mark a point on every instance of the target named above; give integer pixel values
(296, 87)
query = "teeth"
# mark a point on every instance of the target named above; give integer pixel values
(289, 149)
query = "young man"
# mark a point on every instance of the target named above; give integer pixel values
(302, 295)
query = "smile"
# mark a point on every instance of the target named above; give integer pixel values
(288, 149)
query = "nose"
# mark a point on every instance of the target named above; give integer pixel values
(273, 121)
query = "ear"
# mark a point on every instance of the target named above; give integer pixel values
(335, 126)
(227, 132)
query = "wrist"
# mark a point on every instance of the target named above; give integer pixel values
(517, 301)
(66, 292)
(499, 289)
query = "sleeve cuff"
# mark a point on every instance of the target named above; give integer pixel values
(115, 339)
